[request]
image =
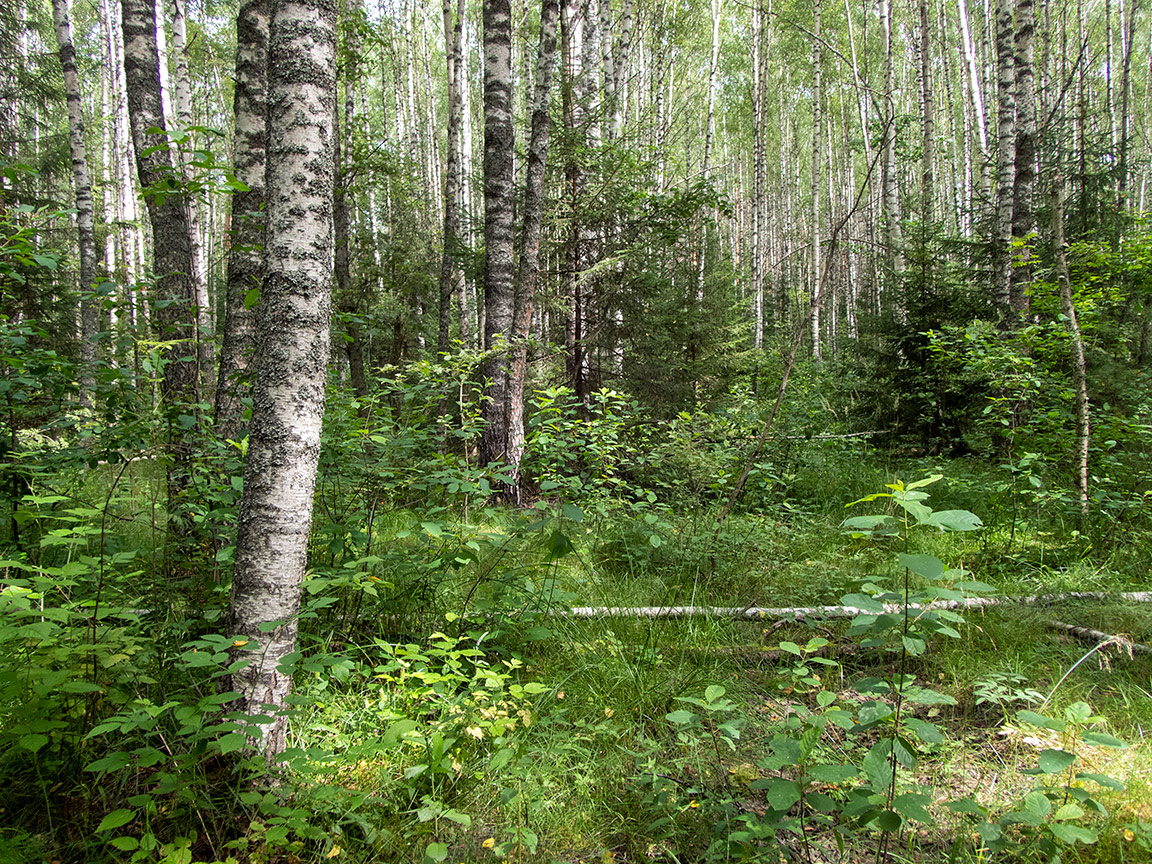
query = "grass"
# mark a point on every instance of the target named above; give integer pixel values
(587, 766)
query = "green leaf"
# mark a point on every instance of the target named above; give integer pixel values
(436, 852)
(989, 831)
(713, 692)
(791, 648)
(124, 844)
(928, 566)
(889, 820)
(1040, 720)
(863, 602)
(925, 696)
(111, 762)
(232, 742)
(572, 512)
(881, 525)
(559, 545)
(833, 773)
(398, 730)
(680, 716)
(911, 805)
(116, 819)
(1102, 779)
(927, 732)
(782, 794)
(33, 742)
(1068, 811)
(1071, 834)
(954, 520)
(1102, 739)
(876, 765)
(1055, 761)
(926, 481)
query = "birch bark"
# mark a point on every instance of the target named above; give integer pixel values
(498, 234)
(245, 253)
(82, 184)
(288, 397)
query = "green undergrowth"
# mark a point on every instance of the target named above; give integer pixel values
(447, 709)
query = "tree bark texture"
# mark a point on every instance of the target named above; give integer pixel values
(246, 250)
(1005, 158)
(288, 397)
(498, 233)
(449, 260)
(1023, 215)
(82, 183)
(529, 268)
(171, 249)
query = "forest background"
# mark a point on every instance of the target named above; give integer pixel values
(409, 414)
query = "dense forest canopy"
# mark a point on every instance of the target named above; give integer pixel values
(425, 431)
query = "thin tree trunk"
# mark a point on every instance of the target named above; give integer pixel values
(498, 234)
(453, 43)
(246, 250)
(1079, 366)
(82, 184)
(529, 268)
(817, 98)
(171, 253)
(1005, 159)
(1023, 216)
(288, 397)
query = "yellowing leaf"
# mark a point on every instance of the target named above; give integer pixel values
(489, 843)
(240, 643)
(333, 852)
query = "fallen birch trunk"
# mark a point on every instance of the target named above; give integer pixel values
(757, 612)
(1122, 642)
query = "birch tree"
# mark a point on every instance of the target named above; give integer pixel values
(245, 253)
(82, 186)
(288, 397)
(171, 248)
(498, 232)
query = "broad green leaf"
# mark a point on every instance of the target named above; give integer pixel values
(782, 794)
(1102, 739)
(863, 602)
(559, 545)
(954, 520)
(889, 820)
(1102, 779)
(928, 566)
(115, 819)
(33, 742)
(925, 696)
(1071, 834)
(1040, 720)
(876, 765)
(713, 692)
(1068, 811)
(911, 805)
(124, 844)
(680, 716)
(397, 731)
(232, 742)
(926, 481)
(871, 524)
(927, 732)
(832, 773)
(791, 648)
(989, 831)
(436, 852)
(572, 512)
(1055, 761)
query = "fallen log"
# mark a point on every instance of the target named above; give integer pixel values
(1122, 642)
(757, 612)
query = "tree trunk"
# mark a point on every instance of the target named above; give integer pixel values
(288, 397)
(1005, 160)
(171, 252)
(89, 320)
(498, 234)
(453, 44)
(1079, 366)
(246, 249)
(817, 69)
(1023, 216)
(890, 196)
(182, 89)
(529, 268)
